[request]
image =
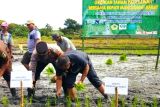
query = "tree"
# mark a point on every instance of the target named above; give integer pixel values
(18, 30)
(72, 27)
(47, 31)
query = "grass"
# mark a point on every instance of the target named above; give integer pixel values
(138, 46)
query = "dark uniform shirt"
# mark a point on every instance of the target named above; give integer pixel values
(78, 60)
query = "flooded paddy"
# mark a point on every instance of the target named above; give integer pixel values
(144, 81)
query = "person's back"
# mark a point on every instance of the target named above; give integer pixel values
(4, 65)
(63, 42)
(66, 44)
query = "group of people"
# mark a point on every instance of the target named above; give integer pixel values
(67, 61)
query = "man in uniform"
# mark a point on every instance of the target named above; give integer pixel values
(68, 66)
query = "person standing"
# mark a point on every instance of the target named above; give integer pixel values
(68, 66)
(6, 37)
(63, 42)
(34, 37)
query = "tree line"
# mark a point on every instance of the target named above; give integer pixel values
(71, 28)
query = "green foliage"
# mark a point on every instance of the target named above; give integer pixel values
(80, 87)
(31, 100)
(48, 103)
(109, 62)
(25, 101)
(123, 102)
(113, 102)
(135, 101)
(5, 101)
(47, 31)
(72, 27)
(87, 101)
(68, 101)
(18, 30)
(78, 103)
(123, 57)
(54, 100)
(99, 103)
(49, 69)
(143, 104)
(155, 102)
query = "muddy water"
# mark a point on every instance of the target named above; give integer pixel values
(144, 81)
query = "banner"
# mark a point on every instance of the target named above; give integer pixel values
(120, 17)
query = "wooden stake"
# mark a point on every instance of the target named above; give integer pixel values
(22, 104)
(116, 97)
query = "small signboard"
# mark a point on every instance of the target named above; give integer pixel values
(111, 83)
(24, 76)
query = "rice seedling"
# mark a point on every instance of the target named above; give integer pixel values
(48, 103)
(87, 101)
(54, 100)
(135, 101)
(5, 101)
(123, 57)
(68, 102)
(112, 102)
(143, 104)
(78, 102)
(49, 70)
(109, 62)
(25, 101)
(123, 102)
(80, 86)
(31, 100)
(99, 103)
(155, 102)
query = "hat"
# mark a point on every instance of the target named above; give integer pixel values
(55, 35)
(41, 48)
(5, 24)
(30, 22)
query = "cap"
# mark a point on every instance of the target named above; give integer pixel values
(55, 35)
(41, 48)
(30, 22)
(5, 24)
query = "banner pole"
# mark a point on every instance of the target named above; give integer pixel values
(116, 97)
(82, 42)
(21, 104)
(158, 54)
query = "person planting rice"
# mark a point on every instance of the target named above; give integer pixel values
(6, 65)
(68, 66)
(41, 57)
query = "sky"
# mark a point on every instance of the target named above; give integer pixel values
(53, 12)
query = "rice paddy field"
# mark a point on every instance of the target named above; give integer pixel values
(132, 58)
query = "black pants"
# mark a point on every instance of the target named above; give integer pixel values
(39, 68)
(7, 76)
(69, 79)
